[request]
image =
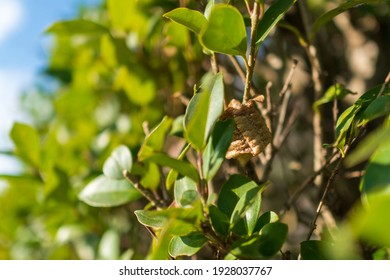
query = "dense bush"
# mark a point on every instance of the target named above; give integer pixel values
(207, 129)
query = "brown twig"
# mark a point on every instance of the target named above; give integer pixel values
(145, 192)
(294, 197)
(387, 80)
(325, 193)
(316, 73)
(250, 63)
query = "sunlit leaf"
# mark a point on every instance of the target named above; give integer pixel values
(377, 176)
(225, 31)
(266, 218)
(204, 110)
(191, 19)
(218, 144)
(154, 142)
(377, 108)
(27, 142)
(187, 245)
(109, 246)
(119, 161)
(185, 191)
(271, 17)
(335, 92)
(183, 167)
(77, 26)
(106, 192)
(371, 223)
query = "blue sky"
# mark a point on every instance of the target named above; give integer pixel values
(23, 55)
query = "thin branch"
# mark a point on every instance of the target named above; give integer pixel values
(316, 73)
(294, 197)
(145, 192)
(287, 83)
(387, 80)
(325, 193)
(255, 18)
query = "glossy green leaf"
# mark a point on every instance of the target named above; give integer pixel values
(234, 189)
(328, 16)
(183, 167)
(165, 217)
(346, 126)
(336, 91)
(343, 126)
(106, 192)
(273, 236)
(271, 17)
(219, 221)
(218, 144)
(119, 161)
(187, 245)
(109, 246)
(377, 175)
(154, 142)
(240, 201)
(313, 250)
(77, 26)
(263, 246)
(372, 223)
(185, 191)
(266, 218)
(247, 212)
(27, 143)
(191, 19)
(225, 31)
(377, 108)
(204, 110)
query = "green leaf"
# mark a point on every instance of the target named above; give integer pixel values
(273, 236)
(183, 167)
(191, 19)
(187, 217)
(185, 191)
(377, 176)
(203, 111)
(77, 26)
(263, 246)
(187, 245)
(106, 192)
(119, 161)
(27, 143)
(313, 250)
(271, 17)
(154, 142)
(368, 145)
(247, 212)
(328, 16)
(225, 31)
(138, 86)
(173, 174)
(266, 218)
(218, 144)
(232, 191)
(240, 201)
(346, 126)
(336, 91)
(219, 221)
(109, 246)
(372, 223)
(377, 108)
